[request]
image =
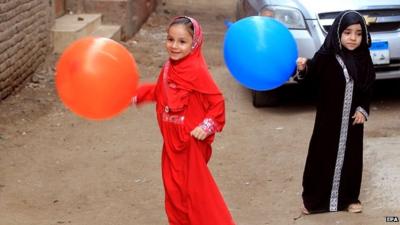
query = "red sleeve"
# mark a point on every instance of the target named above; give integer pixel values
(214, 119)
(145, 93)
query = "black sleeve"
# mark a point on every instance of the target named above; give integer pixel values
(364, 93)
(311, 74)
(313, 68)
(363, 100)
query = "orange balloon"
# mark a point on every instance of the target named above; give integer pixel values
(96, 77)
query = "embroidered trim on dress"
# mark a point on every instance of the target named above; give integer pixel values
(177, 119)
(348, 97)
(208, 125)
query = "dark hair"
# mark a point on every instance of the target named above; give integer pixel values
(184, 21)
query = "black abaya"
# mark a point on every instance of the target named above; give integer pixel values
(333, 170)
(334, 110)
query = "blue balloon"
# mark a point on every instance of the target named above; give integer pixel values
(227, 23)
(260, 52)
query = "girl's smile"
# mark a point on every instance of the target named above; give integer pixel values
(179, 42)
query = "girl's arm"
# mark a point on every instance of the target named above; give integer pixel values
(214, 120)
(364, 95)
(145, 93)
(308, 69)
(363, 102)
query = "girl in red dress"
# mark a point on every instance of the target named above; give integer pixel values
(190, 110)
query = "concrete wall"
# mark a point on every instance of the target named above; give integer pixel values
(130, 14)
(24, 40)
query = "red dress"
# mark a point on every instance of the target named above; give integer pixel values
(186, 96)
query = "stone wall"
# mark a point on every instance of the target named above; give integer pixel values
(130, 14)
(24, 40)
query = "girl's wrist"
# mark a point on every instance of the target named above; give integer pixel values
(134, 100)
(363, 112)
(208, 126)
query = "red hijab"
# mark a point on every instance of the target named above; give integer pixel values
(190, 73)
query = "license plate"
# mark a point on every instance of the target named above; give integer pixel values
(380, 52)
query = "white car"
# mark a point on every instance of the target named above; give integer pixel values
(310, 20)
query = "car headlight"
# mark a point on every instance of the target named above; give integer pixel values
(291, 17)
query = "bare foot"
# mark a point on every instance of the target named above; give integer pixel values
(304, 210)
(355, 208)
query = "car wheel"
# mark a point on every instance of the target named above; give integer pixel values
(265, 98)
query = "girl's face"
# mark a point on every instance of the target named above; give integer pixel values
(351, 37)
(179, 42)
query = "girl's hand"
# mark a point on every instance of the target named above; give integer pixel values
(358, 117)
(134, 101)
(301, 63)
(199, 133)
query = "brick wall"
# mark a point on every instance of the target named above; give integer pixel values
(130, 14)
(227, 5)
(24, 40)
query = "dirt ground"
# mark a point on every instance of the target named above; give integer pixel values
(58, 168)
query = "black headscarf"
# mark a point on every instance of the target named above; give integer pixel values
(358, 62)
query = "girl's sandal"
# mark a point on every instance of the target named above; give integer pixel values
(354, 208)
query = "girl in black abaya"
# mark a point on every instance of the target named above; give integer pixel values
(343, 71)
